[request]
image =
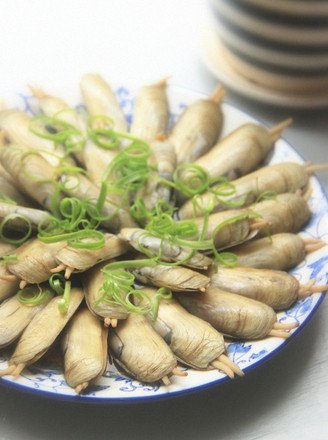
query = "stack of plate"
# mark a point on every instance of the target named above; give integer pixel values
(281, 45)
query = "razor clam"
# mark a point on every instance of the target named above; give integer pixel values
(137, 237)
(281, 178)
(54, 106)
(198, 127)
(164, 158)
(280, 252)
(15, 316)
(151, 111)
(9, 190)
(93, 157)
(237, 226)
(110, 312)
(194, 341)
(100, 99)
(235, 315)
(140, 351)
(9, 285)
(287, 212)
(16, 125)
(35, 216)
(6, 248)
(73, 259)
(41, 332)
(176, 278)
(82, 188)
(35, 260)
(276, 288)
(240, 151)
(85, 350)
(21, 164)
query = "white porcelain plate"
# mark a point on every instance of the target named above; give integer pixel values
(113, 387)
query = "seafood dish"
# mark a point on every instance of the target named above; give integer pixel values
(153, 240)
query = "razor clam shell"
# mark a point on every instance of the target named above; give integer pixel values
(139, 350)
(85, 348)
(196, 130)
(16, 125)
(7, 287)
(9, 189)
(35, 165)
(35, 260)
(100, 99)
(194, 341)
(92, 281)
(35, 216)
(6, 248)
(176, 278)
(280, 252)
(44, 328)
(169, 252)
(151, 112)
(83, 259)
(231, 314)
(83, 189)
(15, 317)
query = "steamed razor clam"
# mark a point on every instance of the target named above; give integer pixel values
(288, 212)
(198, 128)
(85, 350)
(176, 278)
(140, 239)
(41, 333)
(194, 341)
(6, 248)
(115, 216)
(235, 315)
(280, 251)
(281, 178)
(35, 260)
(93, 157)
(15, 316)
(140, 351)
(56, 107)
(73, 259)
(100, 99)
(276, 288)
(17, 126)
(151, 111)
(229, 228)
(16, 222)
(9, 190)
(164, 158)
(241, 151)
(109, 312)
(34, 174)
(9, 285)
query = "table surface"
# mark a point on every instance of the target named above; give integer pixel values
(143, 41)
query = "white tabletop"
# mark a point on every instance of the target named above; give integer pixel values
(143, 41)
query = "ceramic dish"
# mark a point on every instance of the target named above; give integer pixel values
(43, 380)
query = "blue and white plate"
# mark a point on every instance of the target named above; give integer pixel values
(112, 386)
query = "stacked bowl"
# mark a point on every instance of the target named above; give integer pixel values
(281, 45)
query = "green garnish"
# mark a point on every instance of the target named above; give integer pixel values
(77, 222)
(26, 233)
(32, 296)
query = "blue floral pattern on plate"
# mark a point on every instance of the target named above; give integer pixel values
(113, 385)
